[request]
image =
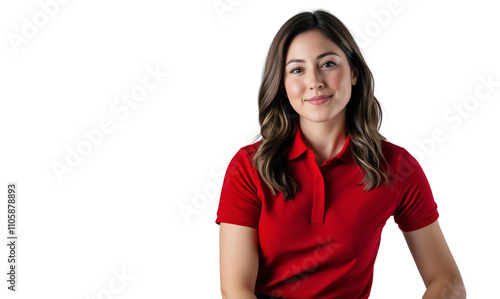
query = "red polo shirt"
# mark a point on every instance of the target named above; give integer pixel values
(324, 242)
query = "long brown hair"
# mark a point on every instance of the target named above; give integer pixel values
(278, 120)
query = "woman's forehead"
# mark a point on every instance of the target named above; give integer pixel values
(311, 44)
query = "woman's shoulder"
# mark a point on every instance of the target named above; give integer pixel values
(390, 146)
(245, 154)
(391, 150)
(397, 154)
(250, 149)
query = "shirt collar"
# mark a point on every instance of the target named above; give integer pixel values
(298, 147)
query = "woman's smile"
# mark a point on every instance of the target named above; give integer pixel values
(318, 100)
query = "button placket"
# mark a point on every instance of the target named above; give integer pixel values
(318, 203)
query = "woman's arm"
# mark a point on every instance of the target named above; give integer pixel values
(239, 261)
(435, 263)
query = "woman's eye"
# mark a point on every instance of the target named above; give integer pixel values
(330, 62)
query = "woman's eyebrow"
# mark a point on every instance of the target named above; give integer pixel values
(319, 57)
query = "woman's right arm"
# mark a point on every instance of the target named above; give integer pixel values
(239, 261)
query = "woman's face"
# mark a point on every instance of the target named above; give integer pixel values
(316, 66)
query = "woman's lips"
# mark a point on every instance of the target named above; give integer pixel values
(319, 100)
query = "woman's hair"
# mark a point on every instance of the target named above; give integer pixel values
(278, 120)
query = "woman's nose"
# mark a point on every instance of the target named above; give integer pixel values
(315, 80)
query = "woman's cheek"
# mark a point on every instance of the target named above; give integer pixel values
(293, 89)
(337, 79)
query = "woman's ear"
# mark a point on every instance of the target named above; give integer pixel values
(354, 76)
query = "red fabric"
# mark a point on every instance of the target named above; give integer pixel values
(324, 242)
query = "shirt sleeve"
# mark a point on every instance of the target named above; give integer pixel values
(415, 207)
(239, 201)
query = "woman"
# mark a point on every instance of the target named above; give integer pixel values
(302, 210)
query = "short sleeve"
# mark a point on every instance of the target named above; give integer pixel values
(239, 201)
(415, 207)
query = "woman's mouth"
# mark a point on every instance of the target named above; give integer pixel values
(318, 100)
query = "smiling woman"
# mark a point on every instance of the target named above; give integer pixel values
(301, 211)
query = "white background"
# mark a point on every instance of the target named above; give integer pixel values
(119, 209)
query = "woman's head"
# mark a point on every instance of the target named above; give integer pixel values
(273, 91)
(316, 66)
(351, 85)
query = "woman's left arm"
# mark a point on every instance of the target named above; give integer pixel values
(435, 263)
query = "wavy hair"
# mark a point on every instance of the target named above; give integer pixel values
(278, 120)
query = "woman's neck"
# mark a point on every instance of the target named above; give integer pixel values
(325, 139)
